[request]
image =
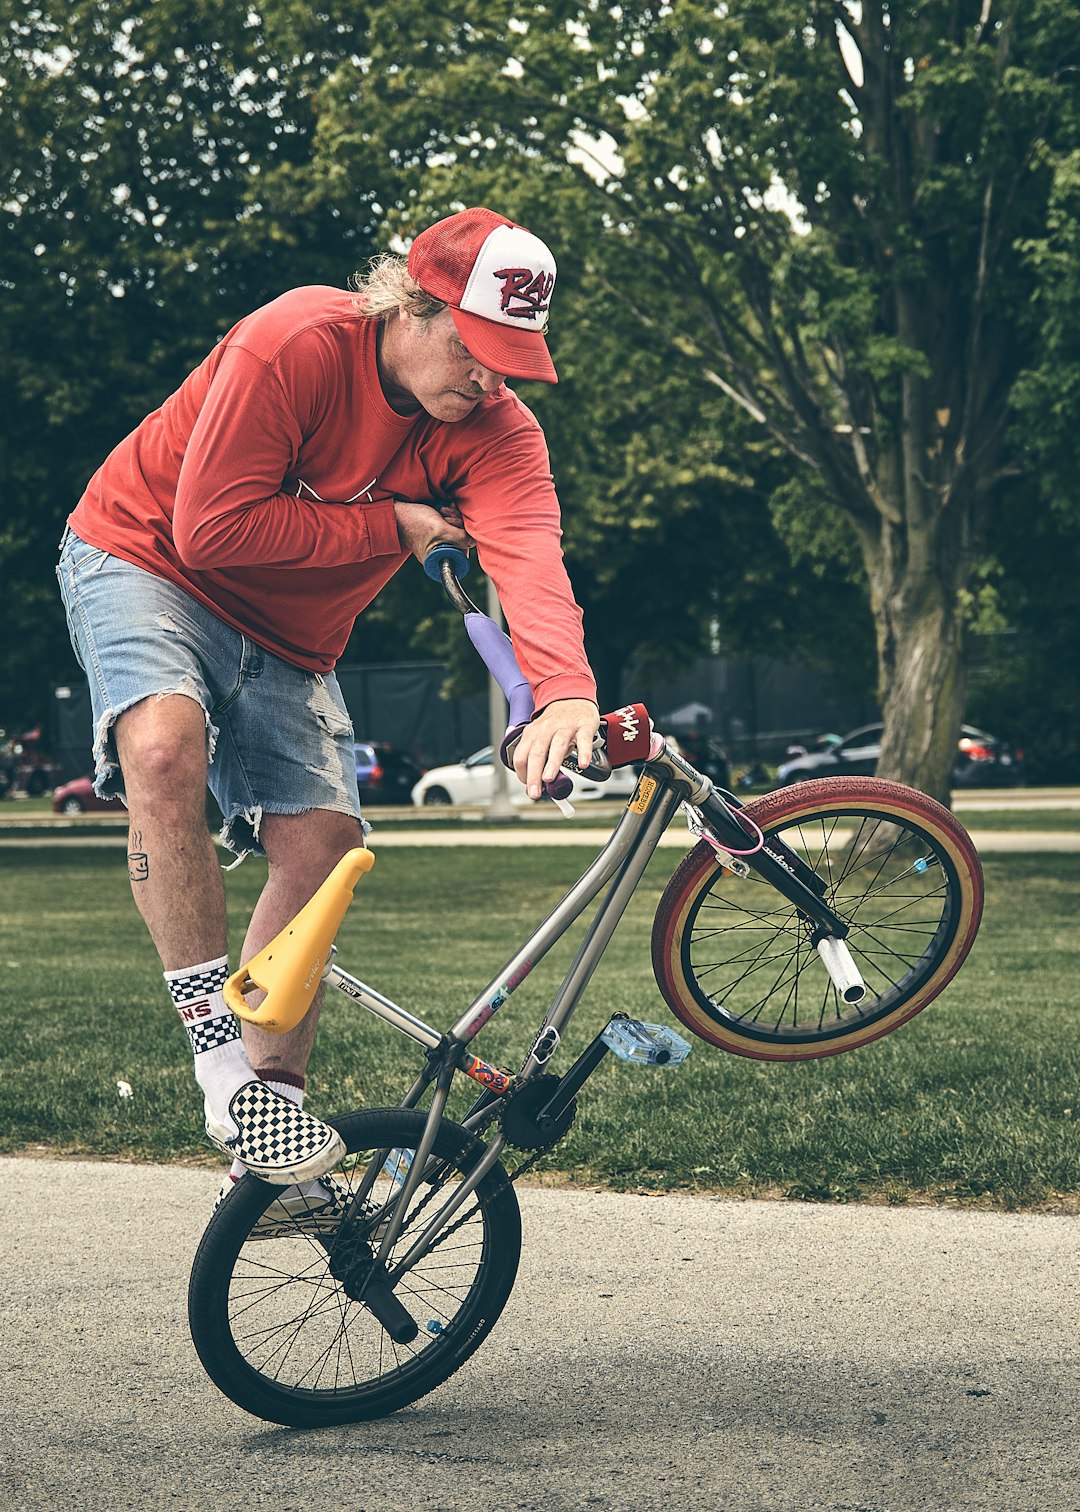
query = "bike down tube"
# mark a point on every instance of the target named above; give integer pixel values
(623, 839)
(605, 921)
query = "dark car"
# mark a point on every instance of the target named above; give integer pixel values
(383, 773)
(78, 797)
(981, 759)
(24, 765)
(707, 755)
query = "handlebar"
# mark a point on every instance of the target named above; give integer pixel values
(446, 556)
(447, 565)
(626, 734)
(442, 558)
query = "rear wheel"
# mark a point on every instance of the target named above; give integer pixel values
(280, 1323)
(736, 963)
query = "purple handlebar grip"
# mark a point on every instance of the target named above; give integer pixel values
(494, 647)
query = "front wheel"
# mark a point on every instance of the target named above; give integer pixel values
(735, 961)
(276, 1300)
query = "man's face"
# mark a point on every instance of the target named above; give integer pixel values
(438, 371)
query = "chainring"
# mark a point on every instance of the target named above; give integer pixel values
(521, 1110)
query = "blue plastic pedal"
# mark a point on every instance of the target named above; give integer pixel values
(645, 1044)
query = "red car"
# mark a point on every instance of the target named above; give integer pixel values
(78, 797)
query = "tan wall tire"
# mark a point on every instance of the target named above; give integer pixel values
(735, 964)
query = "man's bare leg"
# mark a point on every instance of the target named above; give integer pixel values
(302, 850)
(176, 880)
(173, 866)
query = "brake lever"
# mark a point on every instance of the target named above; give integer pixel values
(598, 769)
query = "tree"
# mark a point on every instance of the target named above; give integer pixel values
(821, 207)
(1029, 682)
(670, 549)
(158, 185)
(154, 167)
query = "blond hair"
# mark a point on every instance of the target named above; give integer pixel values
(387, 287)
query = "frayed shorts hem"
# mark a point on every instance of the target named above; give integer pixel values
(278, 738)
(239, 832)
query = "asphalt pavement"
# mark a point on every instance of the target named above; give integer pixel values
(663, 1353)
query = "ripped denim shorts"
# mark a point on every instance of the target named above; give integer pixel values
(279, 739)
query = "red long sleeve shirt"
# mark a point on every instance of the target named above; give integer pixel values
(265, 488)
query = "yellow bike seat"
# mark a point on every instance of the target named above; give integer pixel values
(289, 969)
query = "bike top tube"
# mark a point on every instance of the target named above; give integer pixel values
(636, 835)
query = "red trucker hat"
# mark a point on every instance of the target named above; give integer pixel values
(497, 279)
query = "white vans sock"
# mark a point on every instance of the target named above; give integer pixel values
(221, 1062)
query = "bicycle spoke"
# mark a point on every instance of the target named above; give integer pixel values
(292, 1318)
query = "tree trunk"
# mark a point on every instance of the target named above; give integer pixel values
(921, 659)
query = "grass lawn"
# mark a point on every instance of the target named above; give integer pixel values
(976, 1101)
(1059, 820)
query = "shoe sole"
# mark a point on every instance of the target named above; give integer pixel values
(307, 1224)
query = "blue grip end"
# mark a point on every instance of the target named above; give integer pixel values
(459, 562)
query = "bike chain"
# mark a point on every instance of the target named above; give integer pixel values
(512, 1176)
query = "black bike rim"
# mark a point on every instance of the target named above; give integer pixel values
(389, 1382)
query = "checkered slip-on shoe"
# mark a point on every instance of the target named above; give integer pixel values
(308, 1211)
(276, 1140)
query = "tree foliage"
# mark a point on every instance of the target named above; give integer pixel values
(160, 183)
(822, 209)
(150, 163)
(819, 276)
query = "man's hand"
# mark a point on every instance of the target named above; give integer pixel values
(422, 526)
(570, 723)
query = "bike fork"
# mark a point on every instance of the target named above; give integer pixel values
(778, 865)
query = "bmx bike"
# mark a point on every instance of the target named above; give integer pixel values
(802, 924)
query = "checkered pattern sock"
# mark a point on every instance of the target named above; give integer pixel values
(293, 1089)
(221, 1062)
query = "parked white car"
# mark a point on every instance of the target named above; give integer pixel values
(472, 781)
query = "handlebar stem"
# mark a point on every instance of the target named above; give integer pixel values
(700, 786)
